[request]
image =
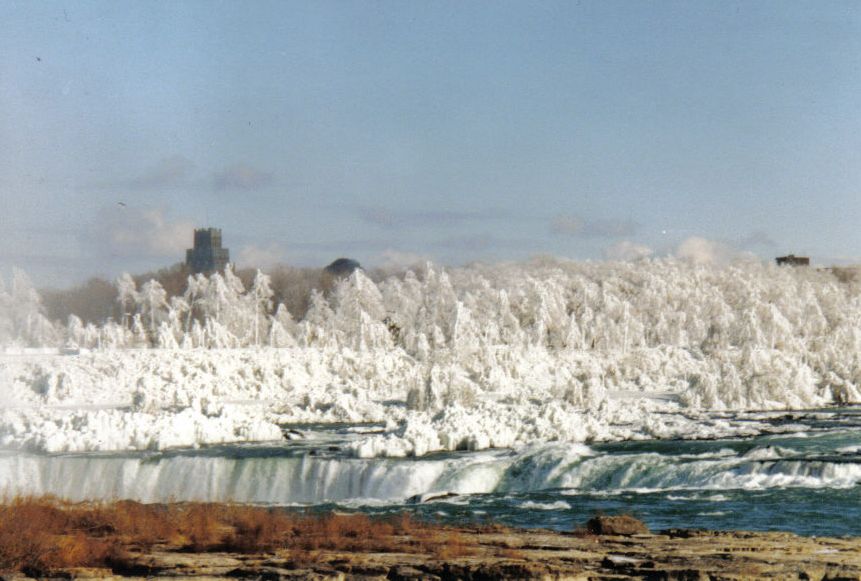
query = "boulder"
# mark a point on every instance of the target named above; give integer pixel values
(623, 525)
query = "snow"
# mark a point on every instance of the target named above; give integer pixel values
(479, 357)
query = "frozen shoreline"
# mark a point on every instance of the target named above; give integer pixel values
(162, 399)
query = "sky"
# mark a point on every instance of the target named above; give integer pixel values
(396, 132)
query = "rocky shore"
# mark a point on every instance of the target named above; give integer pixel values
(480, 553)
(48, 538)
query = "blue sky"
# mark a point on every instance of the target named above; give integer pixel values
(455, 131)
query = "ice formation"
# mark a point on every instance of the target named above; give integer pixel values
(469, 358)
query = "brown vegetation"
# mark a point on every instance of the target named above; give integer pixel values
(44, 534)
(94, 301)
(38, 535)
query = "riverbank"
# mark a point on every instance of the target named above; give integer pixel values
(46, 538)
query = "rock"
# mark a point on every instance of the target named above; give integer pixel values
(407, 573)
(430, 497)
(91, 573)
(623, 525)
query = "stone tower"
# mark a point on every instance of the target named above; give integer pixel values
(207, 255)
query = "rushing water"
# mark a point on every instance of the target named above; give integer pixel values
(803, 476)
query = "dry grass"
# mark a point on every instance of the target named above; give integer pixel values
(450, 545)
(40, 535)
(510, 553)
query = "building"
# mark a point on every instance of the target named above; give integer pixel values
(792, 260)
(338, 269)
(207, 255)
(343, 267)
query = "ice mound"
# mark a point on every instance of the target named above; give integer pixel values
(156, 399)
(100, 430)
(472, 358)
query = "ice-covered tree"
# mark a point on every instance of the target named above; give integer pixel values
(260, 298)
(317, 328)
(359, 313)
(22, 318)
(282, 328)
(152, 301)
(127, 297)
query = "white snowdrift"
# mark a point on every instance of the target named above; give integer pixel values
(479, 357)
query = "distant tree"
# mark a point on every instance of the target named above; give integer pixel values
(292, 287)
(94, 301)
(173, 279)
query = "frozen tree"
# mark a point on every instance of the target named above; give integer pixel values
(177, 311)
(127, 296)
(166, 339)
(359, 313)
(114, 335)
(196, 292)
(218, 336)
(317, 328)
(152, 301)
(75, 331)
(282, 328)
(725, 336)
(223, 303)
(260, 297)
(140, 338)
(22, 318)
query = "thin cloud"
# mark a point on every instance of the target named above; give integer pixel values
(469, 242)
(241, 176)
(757, 239)
(397, 259)
(179, 171)
(703, 251)
(625, 250)
(378, 217)
(168, 172)
(253, 256)
(138, 232)
(391, 219)
(569, 225)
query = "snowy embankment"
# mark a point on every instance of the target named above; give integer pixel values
(478, 357)
(156, 399)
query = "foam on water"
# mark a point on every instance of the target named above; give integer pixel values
(558, 505)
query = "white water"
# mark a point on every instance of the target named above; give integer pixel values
(305, 479)
(260, 480)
